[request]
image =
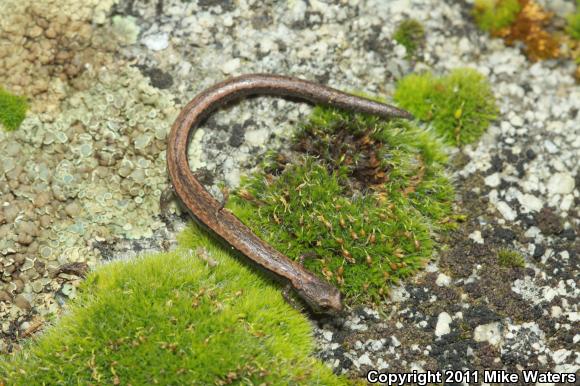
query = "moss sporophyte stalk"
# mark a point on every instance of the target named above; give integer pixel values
(358, 200)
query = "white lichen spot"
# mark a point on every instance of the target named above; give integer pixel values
(506, 211)
(364, 360)
(561, 183)
(156, 42)
(126, 29)
(443, 324)
(493, 180)
(476, 237)
(443, 280)
(231, 66)
(530, 202)
(490, 333)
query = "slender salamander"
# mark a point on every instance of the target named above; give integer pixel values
(318, 294)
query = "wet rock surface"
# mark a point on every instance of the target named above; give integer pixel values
(80, 181)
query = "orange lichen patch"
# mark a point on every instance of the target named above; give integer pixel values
(529, 28)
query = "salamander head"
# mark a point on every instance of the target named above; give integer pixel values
(321, 297)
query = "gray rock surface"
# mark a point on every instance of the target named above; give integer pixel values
(519, 185)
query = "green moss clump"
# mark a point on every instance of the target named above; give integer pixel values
(181, 318)
(12, 110)
(573, 28)
(411, 34)
(361, 202)
(493, 15)
(510, 258)
(460, 106)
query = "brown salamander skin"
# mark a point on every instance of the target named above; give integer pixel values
(320, 296)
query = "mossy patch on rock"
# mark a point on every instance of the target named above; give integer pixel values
(493, 15)
(193, 316)
(573, 28)
(359, 200)
(12, 110)
(510, 258)
(460, 106)
(411, 34)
